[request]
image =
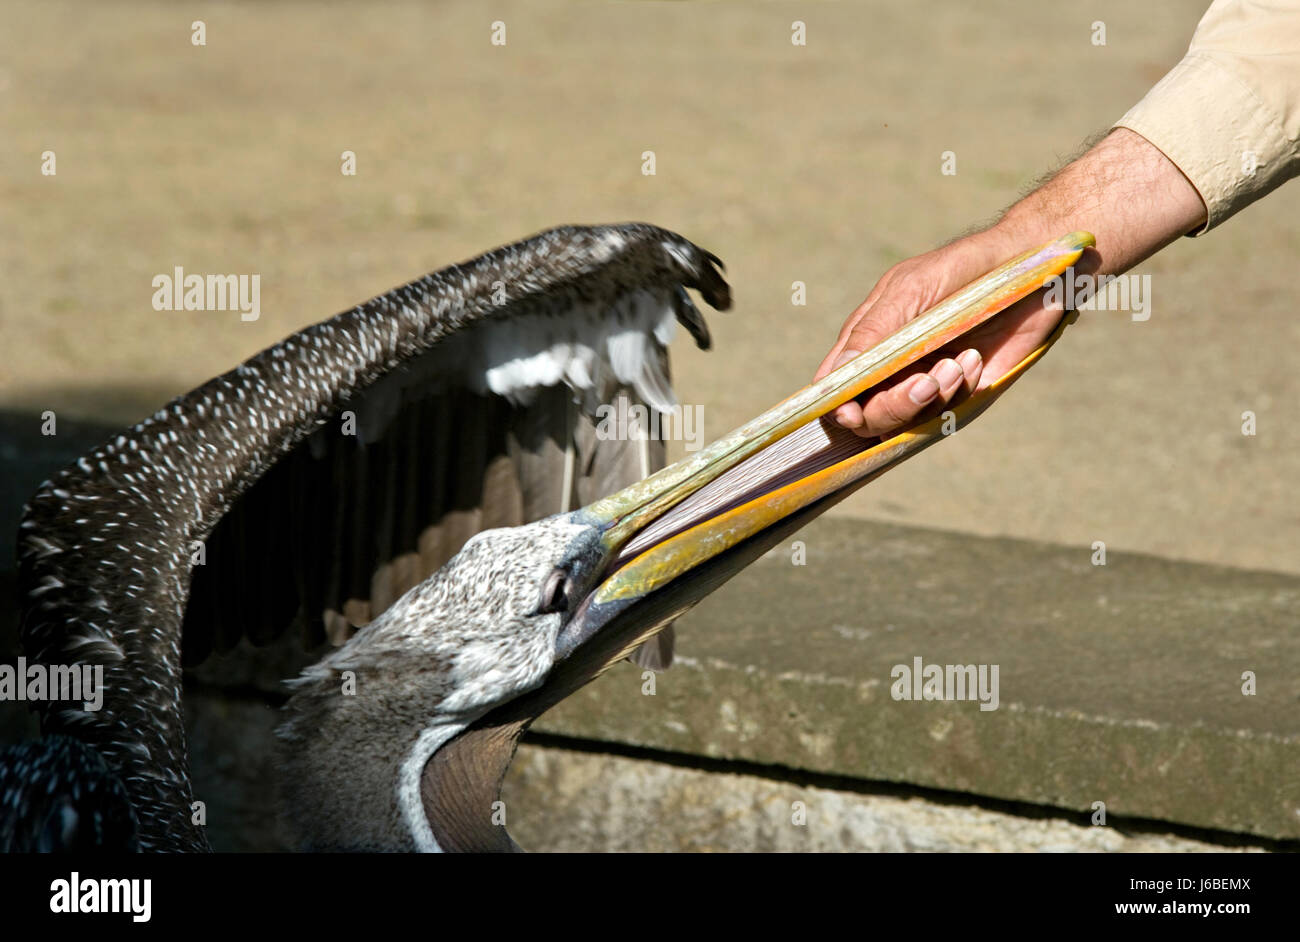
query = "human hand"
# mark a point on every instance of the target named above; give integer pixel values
(1123, 190)
(972, 362)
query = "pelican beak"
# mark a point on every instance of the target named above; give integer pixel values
(679, 520)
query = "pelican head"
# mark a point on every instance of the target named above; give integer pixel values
(399, 740)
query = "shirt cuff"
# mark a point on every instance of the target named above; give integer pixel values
(1214, 129)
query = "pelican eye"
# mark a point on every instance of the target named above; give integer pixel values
(555, 593)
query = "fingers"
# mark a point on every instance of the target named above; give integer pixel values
(904, 291)
(911, 398)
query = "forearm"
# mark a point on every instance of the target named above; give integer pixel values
(1123, 190)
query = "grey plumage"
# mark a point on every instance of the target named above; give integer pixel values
(473, 631)
(106, 546)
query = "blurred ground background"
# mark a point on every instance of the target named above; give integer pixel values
(817, 163)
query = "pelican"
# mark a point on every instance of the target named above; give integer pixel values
(398, 739)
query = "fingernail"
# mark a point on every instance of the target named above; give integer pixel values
(969, 361)
(948, 373)
(923, 390)
(844, 357)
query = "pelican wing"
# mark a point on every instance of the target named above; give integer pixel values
(344, 525)
(314, 481)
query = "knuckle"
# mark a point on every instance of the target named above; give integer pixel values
(890, 409)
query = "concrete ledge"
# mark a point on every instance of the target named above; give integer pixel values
(1120, 684)
(562, 800)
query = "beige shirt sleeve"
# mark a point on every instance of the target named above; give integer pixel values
(1228, 115)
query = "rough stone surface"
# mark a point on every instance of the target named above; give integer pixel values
(561, 800)
(1119, 683)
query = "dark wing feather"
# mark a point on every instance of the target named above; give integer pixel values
(59, 796)
(334, 533)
